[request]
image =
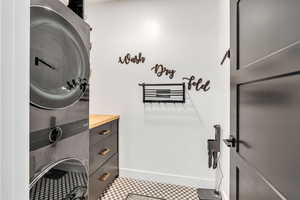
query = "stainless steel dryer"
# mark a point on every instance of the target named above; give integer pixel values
(59, 103)
(59, 64)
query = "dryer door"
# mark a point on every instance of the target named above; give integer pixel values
(63, 180)
(59, 61)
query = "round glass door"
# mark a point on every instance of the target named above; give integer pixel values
(59, 61)
(63, 180)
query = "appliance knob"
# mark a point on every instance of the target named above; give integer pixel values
(55, 135)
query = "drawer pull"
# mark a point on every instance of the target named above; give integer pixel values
(105, 132)
(105, 177)
(104, 152)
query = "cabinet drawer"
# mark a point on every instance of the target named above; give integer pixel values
(103, 177)
(100, 132)
(102, 151)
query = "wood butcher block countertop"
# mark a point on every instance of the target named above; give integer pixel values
(98, 120)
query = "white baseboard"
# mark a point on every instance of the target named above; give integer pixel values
(167, 178)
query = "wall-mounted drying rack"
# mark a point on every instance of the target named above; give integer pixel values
(163, 93)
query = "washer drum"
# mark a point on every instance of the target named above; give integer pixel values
(65, 179)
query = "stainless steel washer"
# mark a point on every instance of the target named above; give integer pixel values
(65, 179)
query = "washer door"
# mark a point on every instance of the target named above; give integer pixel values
(63, 180)
(59, 61)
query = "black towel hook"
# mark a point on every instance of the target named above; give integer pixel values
(227, 55)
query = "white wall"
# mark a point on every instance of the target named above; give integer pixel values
(160, 142)
(224, 38)
(1, 139)
(14, 107)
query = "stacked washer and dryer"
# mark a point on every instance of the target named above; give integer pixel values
(59, 102)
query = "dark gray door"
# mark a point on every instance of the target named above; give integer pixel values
(265, 99)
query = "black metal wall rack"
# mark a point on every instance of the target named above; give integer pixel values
(163, 93)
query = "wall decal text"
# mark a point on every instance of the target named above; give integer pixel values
(160, 70)
(197, 84)
(136, 59)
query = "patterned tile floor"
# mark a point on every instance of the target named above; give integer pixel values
(47, 188)
(122, 186)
